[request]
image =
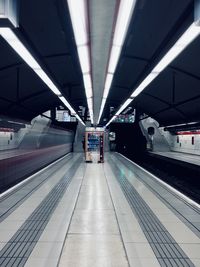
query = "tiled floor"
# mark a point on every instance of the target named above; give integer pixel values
(95, 225)
(93, 238)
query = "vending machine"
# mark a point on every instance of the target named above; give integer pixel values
(94, 144)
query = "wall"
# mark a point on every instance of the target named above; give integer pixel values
(157, 142)
(129, 139)
(11, 140)
(185, 143)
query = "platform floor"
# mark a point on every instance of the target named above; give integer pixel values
(91, 215)
(189, 158)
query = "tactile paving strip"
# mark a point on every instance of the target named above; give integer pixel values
(20, 246)
(166, 249)
(168, 199)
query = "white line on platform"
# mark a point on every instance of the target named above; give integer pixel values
(186, 198)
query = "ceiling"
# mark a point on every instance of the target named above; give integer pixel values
(45, 28)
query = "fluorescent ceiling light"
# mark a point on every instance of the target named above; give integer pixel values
(108, 83)
(78, 15)
(79, 18)
(77, 116)
(124, 15)
(90, 104)
(88, 91)
(83, 52)
(123, 19)
(114, 57)
(23, 52)
(66, 103)
(114, 117)
(92, 120)
(182, 124)
(87, 80)
(91, 115)
(17, 45)
(126, 103)
(188, 36)
(144, 83)
(47, 81)
(103, 102)
(73, 112)
(168, 58)
(90, 107)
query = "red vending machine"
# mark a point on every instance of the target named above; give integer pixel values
(94, 144)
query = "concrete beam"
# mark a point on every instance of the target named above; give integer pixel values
(9, 13)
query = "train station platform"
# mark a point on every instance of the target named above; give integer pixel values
(180, 156)
(113, 214)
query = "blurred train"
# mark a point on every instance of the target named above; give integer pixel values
(38, 148)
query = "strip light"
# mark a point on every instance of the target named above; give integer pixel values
(126, 103)
(187, 37)
(78, 13)
(123, 19)
(23, 52)
(73, 112)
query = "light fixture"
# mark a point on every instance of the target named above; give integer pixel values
(90, 103)
(78, 14)
(23, 52)
(87, 80)
(125, 11)
(47, 81)
(88, 91)
(186, 38)
(65, 102)
(17, 45)
(77, 116)
(108, 82)
(83, 53)
(103, 102)
(182, 124)
(112, 119)
(123, 18)
(126, 103)
(73, 112)
(114, 57)
(79, 19)
(145, 83)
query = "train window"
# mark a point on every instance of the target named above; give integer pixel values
(177, 140)
(192, 140)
